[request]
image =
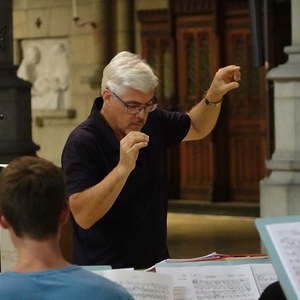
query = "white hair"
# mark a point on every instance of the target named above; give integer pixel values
(128, 70)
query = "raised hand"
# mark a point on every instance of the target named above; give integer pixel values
(224, 81)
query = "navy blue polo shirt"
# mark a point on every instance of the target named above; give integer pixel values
(133, 233)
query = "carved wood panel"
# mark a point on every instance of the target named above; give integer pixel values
(158, 50)
(246, 114)
(196, 65)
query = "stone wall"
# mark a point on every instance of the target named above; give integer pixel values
(100, 29)
(38, 21)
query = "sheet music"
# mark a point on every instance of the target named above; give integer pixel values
(226, 282)
(264, 274)
(200, 258)
(143, 285)
(183, 286)
(286, 240)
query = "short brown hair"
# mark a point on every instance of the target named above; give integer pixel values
(32, 196)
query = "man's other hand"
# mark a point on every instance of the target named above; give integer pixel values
(130, 146)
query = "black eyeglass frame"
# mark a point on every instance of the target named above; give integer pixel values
(135, 109)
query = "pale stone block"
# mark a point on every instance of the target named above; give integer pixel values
(60, 22)
(153, 4)
(294, 54)
(53, 3)
(290, 89)
(38, 4)
(44, 16)
(285, 72)
(92, 2)
(280, 194)
(84, 102)
(295, 22)
(51, 148)
(19, 4)
(20, 23)
(285, 124)
(90, 14)
(272, 200)
(57, 3)
(86, 49)
(82, 77)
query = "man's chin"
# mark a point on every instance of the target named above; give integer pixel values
(135, 128)
(127, 130)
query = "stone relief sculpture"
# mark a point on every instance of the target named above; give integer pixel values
(32, 56)
(45, 65)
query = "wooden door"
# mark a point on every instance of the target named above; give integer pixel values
(196, 64)
(229, 163)
(158, 50)
(245, 111)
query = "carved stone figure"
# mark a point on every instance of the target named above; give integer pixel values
(45, 65)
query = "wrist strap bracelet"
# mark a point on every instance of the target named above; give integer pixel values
(217, 103)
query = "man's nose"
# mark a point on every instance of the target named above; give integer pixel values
(142, 112)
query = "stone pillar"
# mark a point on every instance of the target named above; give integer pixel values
(103, 42)
(280, 192)
(125, 25)
(15, 111)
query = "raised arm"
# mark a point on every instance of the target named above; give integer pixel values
(92, 204)
(204, 115)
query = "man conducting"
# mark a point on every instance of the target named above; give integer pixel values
(116, 163)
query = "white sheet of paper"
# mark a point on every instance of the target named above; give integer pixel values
(264, 274)
(226, 282)
(183, 286)
(286, 240)
(142, 285)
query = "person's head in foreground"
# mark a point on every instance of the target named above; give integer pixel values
(32, 199)
(33, 209)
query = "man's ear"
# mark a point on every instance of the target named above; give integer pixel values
(106, 96)
(3, 222)
(65, 214)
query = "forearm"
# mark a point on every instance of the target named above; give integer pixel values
(92, 204)
(203, 120)
(204, 115)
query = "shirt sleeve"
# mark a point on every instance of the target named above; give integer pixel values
(80, 163)
(175, 125)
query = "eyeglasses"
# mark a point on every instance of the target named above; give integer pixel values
(135, 109)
